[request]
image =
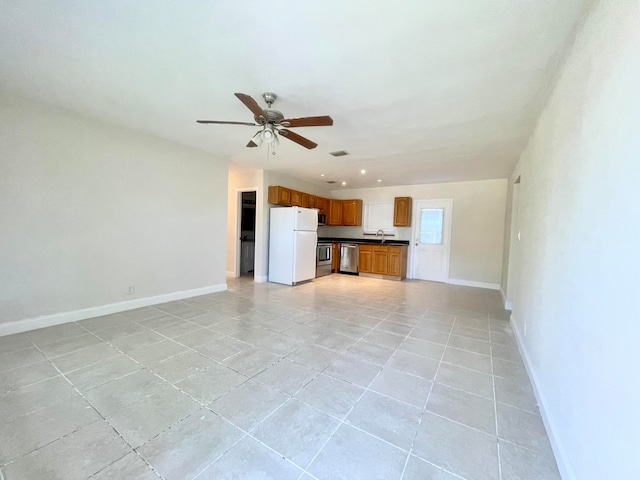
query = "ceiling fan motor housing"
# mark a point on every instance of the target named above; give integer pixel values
(272, 116)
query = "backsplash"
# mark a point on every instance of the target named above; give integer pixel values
(402, 233)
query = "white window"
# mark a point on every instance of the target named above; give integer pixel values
(431, 222)
(378, 216)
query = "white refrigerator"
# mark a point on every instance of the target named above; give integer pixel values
(292, 244)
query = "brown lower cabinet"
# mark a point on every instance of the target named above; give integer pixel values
(335, 258)
(380, 260)
(365, 255)
(388, 261)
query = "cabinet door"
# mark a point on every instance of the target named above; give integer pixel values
(335, 212)
(365, 253)
(402, 212)
(394, 261)
(296, 198)
(335, 259)
(313, 201)
(380, 260)
(304, 203)
(279, 196)
(323, 205)
(352, 213)
(285, 196)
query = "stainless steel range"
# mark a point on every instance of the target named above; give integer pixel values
(323, 259)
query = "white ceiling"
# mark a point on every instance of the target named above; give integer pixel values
(420, 91)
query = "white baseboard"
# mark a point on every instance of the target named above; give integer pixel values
(471, 283)
(566, 472)
(20, 326)
(507, 303)
(260, 278)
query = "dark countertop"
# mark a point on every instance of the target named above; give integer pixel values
(366, 241)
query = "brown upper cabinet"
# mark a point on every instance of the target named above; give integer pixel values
(296, 198)
(279, 196)
(338, 212)
(322, 204)
(352, 213)
(335, 213)
(402, 212)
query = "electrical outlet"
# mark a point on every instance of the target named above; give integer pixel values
(131, 290)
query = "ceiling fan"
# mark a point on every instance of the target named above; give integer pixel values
(273, 122)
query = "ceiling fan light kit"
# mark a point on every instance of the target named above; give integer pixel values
(267, 135)
(273, 122)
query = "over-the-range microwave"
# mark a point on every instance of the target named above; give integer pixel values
(322, 219)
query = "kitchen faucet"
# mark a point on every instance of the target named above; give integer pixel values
(381, 232)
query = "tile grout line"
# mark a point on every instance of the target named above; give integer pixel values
(283, 356)
(291, 397)
(342, 422)
(424, 407)
(102, 417)
(495, 409)
(203, 405)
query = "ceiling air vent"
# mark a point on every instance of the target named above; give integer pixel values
(331, 181)
(339, 153)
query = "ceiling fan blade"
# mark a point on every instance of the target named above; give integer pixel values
(251, 104)
(226, 123)
(294, 137)
(252, 144)
(323, 121)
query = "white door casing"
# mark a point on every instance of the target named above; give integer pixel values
(237, 244)
(431, 243)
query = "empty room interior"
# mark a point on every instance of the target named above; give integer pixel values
(319, 240)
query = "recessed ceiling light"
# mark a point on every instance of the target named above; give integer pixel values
(379, 180)
(322, 174)
(344, 183)
(363, 171)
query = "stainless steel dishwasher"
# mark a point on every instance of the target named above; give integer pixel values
(348, 258)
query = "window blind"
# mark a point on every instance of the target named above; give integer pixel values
(378, 216)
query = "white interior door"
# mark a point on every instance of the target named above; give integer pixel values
(432, 240)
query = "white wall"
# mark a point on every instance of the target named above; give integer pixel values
(477, 224)
(576, 289)
(88, 209)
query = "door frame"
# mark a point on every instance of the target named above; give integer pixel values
(446, 231)
(258, 230)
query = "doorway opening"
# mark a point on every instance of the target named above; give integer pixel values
(247, 251)
(513, 264)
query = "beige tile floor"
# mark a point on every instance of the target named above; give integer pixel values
(340, 378)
